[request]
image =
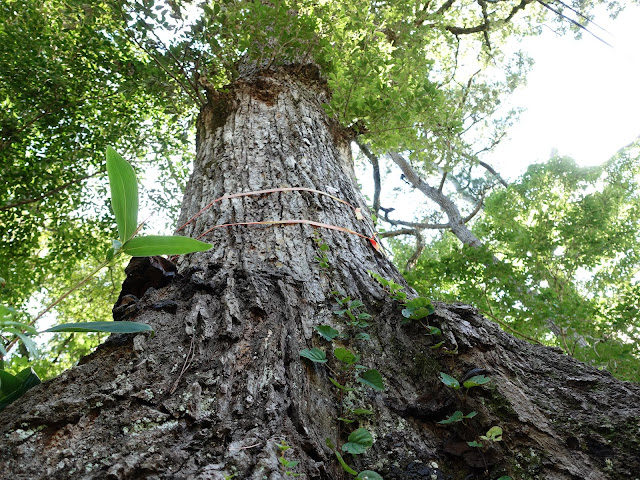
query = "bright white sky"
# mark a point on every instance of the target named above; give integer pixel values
(582, 97)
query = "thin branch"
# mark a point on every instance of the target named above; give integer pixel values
(571, 20)
(188, 91)
(194, 84)
(375, 163)
(413, 259)
(449, 208)
(509, 327)
(414, 225)
(444, 179)
(493, 172)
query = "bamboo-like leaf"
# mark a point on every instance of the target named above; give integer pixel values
(150, 245)
(111, 327)
(124, 194)
(24, 380)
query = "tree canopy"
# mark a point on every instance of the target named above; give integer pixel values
(418, 85)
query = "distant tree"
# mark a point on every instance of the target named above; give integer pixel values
(559, 261)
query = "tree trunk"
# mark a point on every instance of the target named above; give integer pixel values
(221, 383)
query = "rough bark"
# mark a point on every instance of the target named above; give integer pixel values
(221, 383)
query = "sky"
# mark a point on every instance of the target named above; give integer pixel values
(582, 96)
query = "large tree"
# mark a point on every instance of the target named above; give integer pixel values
(293, 340)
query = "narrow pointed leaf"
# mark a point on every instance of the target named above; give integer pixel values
(344, 465)
(8, 383)
(163, 245)
(341, 387)
(111, 327)
(124, 194)
(28, 379)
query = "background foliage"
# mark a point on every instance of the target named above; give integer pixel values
(559, 263)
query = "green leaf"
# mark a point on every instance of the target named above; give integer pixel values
(476, 381)
(358, 442)
(314, 354)
(21, 326)
(369, 475)
(112, 327)
(475, 444)
(361, 411)
(494, 434)
(116, 245)
(418, 308)
(28, 343)
(288, 463)
(433, 330)
(449, 381)
(346, 420)
(124, 194)
(8, 383)
(505, 477)
(341, 387)
(6, 312)
(26, 380)
(456, 417)
(362, 336)
(345, 356)
(163, 245)
(373, 379)
(327, 332)
(343, 464)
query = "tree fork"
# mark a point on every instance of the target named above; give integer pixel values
(221, 383)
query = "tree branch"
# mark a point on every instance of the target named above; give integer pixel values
(413, 259)
(493, 172)
(456, 222)
(375, 163)
(572, 21)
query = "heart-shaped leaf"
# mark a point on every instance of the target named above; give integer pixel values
(345, 356)
(449, 381)
(476, 380)
(327, 332)
(314, 354)
(358, 442)
(373, 379)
